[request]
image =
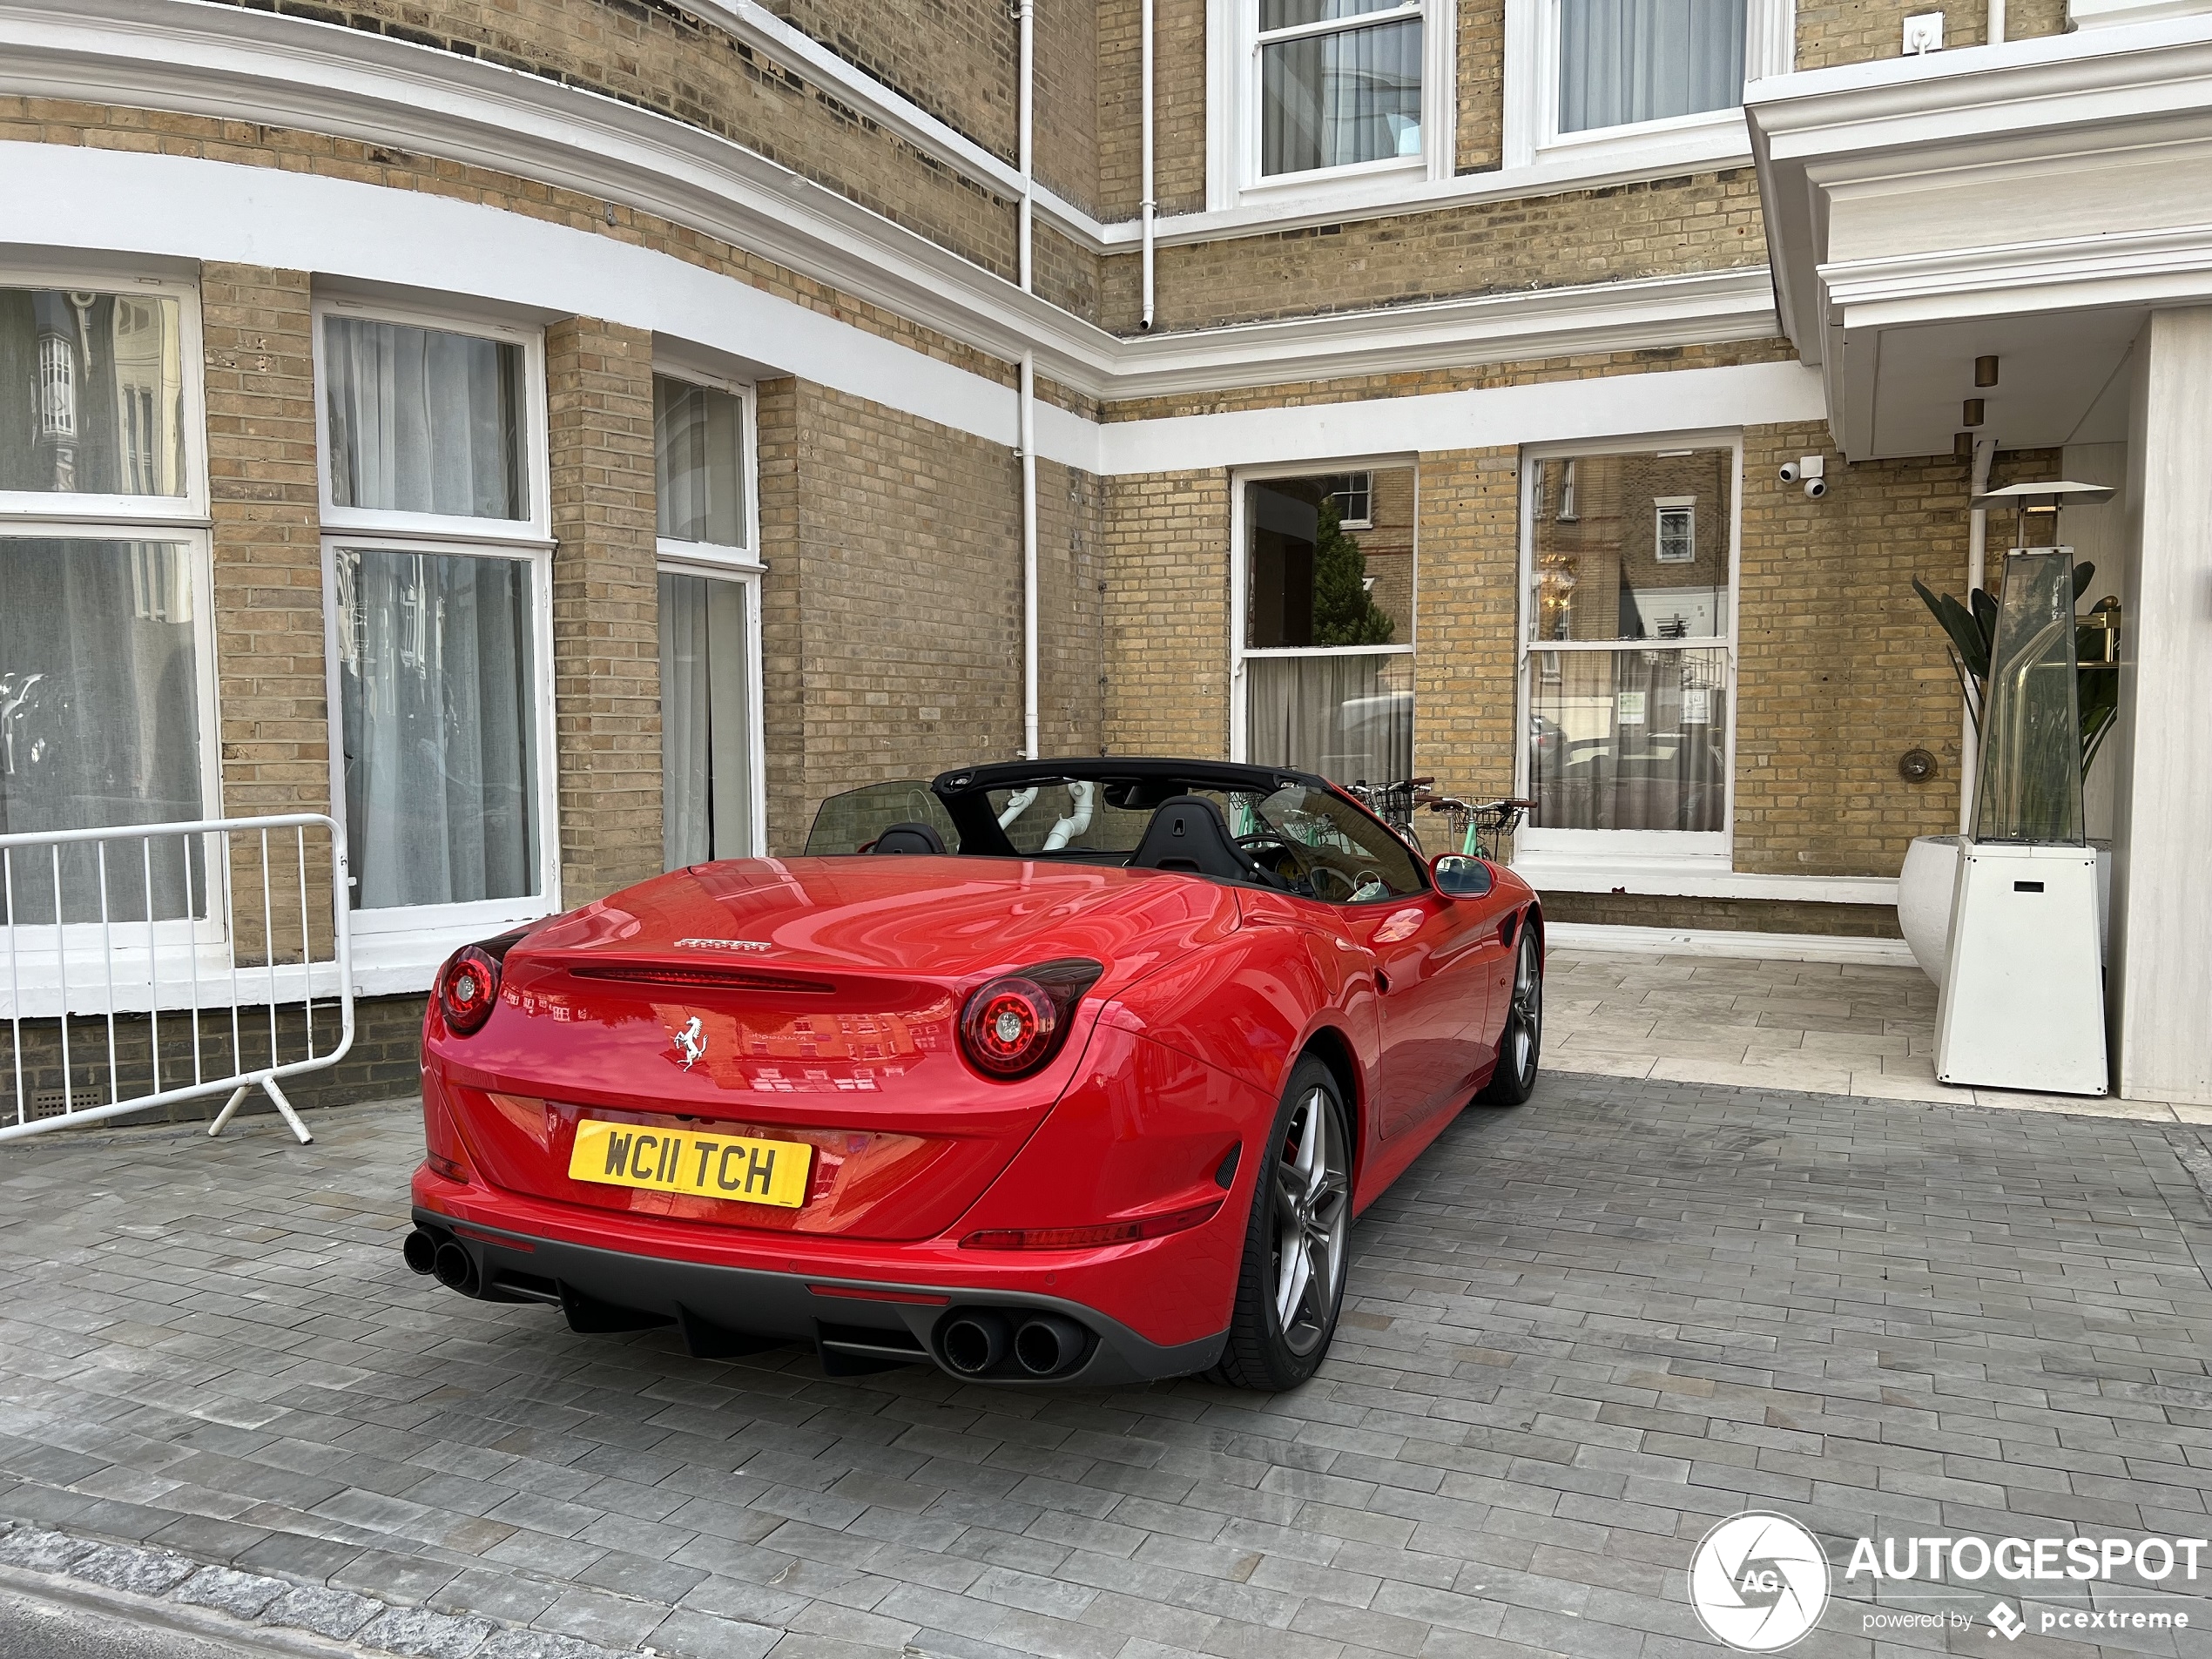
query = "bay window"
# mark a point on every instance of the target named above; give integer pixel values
(1322, 652)
(436, 563)
(1628, 652)
(107, 665)
(712, 803)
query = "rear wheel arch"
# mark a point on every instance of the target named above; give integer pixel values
(1329, 1045)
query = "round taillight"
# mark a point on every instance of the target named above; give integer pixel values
(467, 989)
(1008, 1026)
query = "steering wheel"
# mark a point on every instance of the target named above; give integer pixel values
(1335, 877)
(1272, 852)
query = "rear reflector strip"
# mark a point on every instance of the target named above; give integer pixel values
(863, 1293)
(522, 1244)
(1116, 1232)
(721, 979)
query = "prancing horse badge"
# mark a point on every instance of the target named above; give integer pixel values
(691, 1043)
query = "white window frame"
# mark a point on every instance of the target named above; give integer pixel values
(180, 519)
(1531, 98)
(742, 565)
(1662, 505)
(401, 943)
(1239, 654)
(1233, 178)
(1686, 850)
(534, 528)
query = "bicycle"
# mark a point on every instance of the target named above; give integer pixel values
(1484, 829)
(1394, 802)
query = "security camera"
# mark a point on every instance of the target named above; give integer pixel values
(1815, 488)
(1788, 472)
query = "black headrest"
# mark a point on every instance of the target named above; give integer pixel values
(909, 838)
(1188, 833)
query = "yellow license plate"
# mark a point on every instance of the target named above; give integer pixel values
(712, 1166)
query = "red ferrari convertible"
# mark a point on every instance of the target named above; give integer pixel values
(1048, 1071)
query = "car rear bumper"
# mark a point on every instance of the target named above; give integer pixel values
(854, 1325)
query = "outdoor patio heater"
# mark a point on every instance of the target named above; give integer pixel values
(2023, 1001)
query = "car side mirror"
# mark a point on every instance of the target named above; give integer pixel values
(1460, 875)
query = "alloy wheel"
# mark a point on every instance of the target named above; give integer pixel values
(1312, 1219)
(1525, 1020)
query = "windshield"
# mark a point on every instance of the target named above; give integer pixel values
(1306, 840)
(1317, 843)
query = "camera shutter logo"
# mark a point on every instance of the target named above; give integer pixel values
(1758, 1582)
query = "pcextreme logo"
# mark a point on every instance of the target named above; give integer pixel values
(1758, 1582)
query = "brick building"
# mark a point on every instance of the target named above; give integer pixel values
(567, 438)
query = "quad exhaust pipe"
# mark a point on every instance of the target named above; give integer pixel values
(443, 1260)
(978, 1341)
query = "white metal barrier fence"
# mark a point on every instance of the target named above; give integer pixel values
(162, 961)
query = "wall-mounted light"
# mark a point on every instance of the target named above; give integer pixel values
(1972, 415)
(1985, 371)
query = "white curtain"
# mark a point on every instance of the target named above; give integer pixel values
(422, 420)
(1630, 739)
(1332, 100)
(1348, 717)
(707, 742)
(439, 714)
(1643, 60)
(99, 726)
(699, 438)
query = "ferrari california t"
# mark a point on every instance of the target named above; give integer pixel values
(1065, 1071)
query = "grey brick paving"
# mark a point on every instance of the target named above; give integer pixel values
(1577, 1334)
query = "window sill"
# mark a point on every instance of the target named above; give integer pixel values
(1646, 143)
(1359, 182)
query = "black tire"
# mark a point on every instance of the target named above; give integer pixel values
(1520, 1044)
(1261, 1353)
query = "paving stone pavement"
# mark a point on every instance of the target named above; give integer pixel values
(1577, 1334)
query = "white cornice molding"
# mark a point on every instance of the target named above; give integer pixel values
(242, 64)
(1976, 114)
(1699, 308)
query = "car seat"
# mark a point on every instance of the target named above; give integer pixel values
(1188, 833)
(908, 838)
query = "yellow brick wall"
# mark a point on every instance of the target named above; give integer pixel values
(1464, 660)
(606, 604)
(1480, 91)
(1166, 538)
(664, 59)
(1850, 32)
(1705, 222)
(271, 691)
(891, 618)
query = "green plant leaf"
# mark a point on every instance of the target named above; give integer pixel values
(2084, 573)
(1972, 646)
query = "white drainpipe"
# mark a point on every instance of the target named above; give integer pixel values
(1029, 743)
(1977, 561)
(1029, 556)
(1147, 205)
(1996, 22)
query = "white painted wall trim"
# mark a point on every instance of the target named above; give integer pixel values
(180, 207)
(1616, 406)
(1720, 942)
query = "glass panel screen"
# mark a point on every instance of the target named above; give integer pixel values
(1607, 562)
(1624, 61)
(1628, 739)
(422, 420)
(437, 693)
(698, 462)
(1329, 100)
(2029, 788)
(91, 393)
